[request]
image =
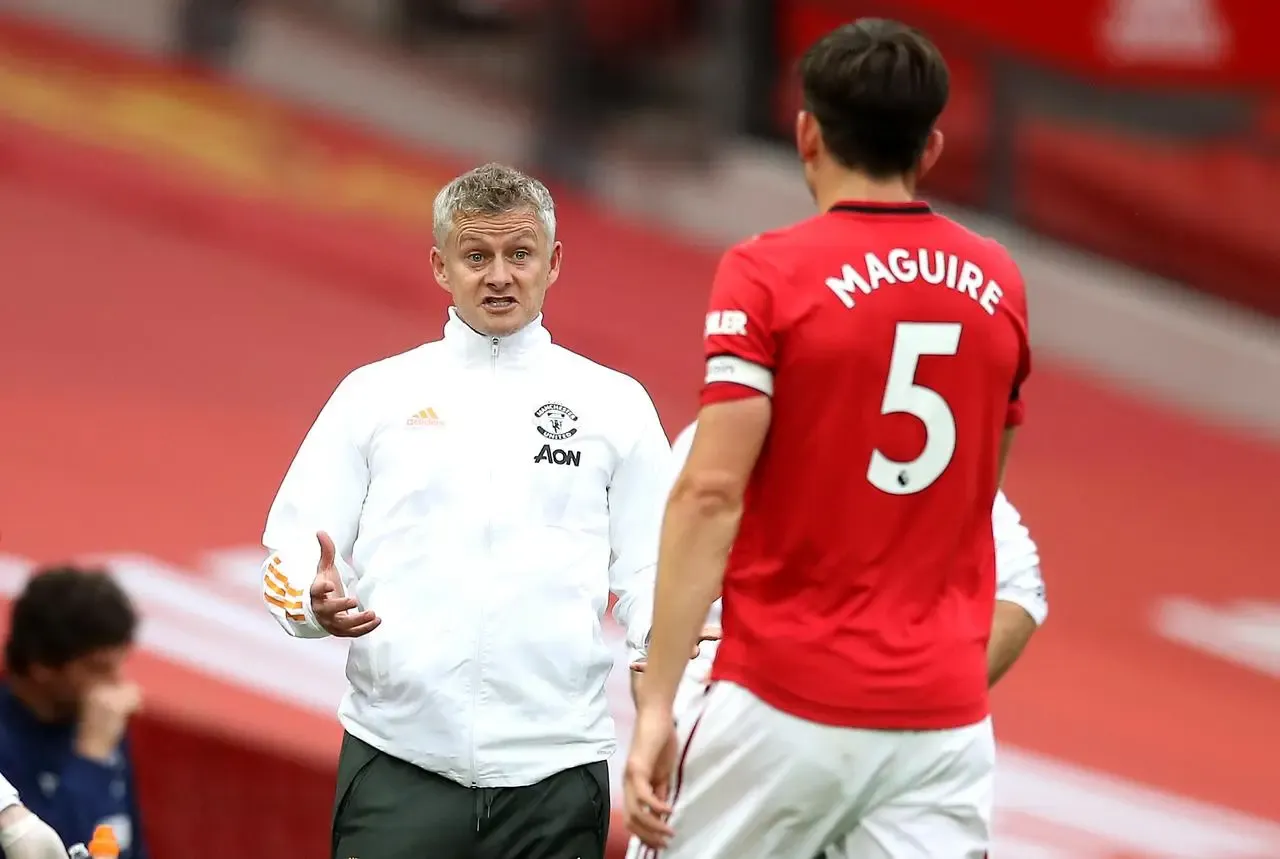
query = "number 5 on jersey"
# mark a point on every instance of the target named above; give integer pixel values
(902, 395)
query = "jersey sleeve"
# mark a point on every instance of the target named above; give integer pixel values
(739, 334)
(1017, 409)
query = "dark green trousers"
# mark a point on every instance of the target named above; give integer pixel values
(386, 808)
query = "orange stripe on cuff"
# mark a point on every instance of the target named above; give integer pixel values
(283, 581)
(279, 603)
(274, 588)
(296, 618)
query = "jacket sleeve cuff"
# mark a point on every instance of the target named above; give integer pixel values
(633, 608)
(1028, 593)
(309, 627)
(288, 603)
(640, 625)
(31, 838)
(638, 641)
(638, 647)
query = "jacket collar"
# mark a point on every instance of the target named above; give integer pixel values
(474, 347)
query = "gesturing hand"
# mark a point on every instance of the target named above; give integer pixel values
(336, 613)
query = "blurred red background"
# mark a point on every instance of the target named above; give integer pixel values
(1062, 84)
(189, 268)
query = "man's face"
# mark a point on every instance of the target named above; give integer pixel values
(66, 687)
(497, 268)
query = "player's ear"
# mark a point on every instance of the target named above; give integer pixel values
(808, 136)
(438, 268)
(932, 152)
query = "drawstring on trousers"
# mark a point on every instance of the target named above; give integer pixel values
(484, 804)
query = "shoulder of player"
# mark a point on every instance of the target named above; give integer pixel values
(990, 255)
(767, 254)
(779, 240)
(991, 246)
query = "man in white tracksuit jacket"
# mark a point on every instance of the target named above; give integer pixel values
(1021, 605)
(462, 512)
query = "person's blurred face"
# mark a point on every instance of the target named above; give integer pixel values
(64, 688)
(498, 269)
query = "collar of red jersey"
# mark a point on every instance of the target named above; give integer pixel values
(474, 346)
(880, 207)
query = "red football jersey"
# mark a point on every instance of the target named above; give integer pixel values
(893, 343)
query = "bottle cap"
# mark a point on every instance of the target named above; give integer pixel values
(104, 845)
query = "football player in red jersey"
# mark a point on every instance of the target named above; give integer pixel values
(862, 386)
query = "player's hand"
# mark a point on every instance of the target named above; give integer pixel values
(337, 614)
(104, 716)
(709, 633)
(647, 780)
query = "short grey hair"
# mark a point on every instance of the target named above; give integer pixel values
(492, 189)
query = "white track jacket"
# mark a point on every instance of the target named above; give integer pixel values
(485, 496)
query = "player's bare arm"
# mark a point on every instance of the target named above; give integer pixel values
(698, 530)
(1011, 630)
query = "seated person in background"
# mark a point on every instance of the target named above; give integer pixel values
(65, 705)
(22, 834)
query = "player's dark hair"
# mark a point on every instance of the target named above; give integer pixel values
(876, 88)
(65, 613)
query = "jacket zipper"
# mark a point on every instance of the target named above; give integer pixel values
(494, 345)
